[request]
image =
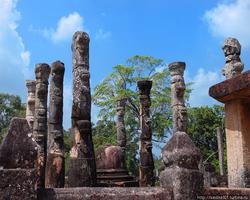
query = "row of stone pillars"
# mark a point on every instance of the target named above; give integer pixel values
(49, 138)
(50, 161)
(180, 156)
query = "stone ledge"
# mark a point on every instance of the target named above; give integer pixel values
(97, 193)
(225, 193)
(16, 184)
(237, 87)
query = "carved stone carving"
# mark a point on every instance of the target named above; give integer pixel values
(147, 177)
(42, 72)
(177, 96)
(82, 170)
(55, 155)
(233, 65)
(30, 108)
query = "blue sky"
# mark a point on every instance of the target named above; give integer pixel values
(192, 31)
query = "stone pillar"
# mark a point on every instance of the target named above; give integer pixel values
(177, 97)
(42, 72)
(55, 157)
(30, 107)
(180, 156)
(235, 94)
(120, 125)
(219, 135)
(82, 170)
(146, 171)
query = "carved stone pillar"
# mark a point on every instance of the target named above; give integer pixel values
(177, 97)
(30, 107)
(146, 173)
(180, 156)
(55, 156)
(120, 125)
(82, 170)
(42, 72)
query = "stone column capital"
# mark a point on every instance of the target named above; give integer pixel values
(144, 87)
(42, 72)
(31, 86)
(177, 68)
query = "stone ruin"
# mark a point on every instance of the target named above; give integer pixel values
(32, 153)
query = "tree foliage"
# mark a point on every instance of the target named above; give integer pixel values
(10, 106)
(122, 83)
(202, 125)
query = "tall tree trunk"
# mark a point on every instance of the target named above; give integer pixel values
(42, 72)
(147, 177)
(82, 170)
(54, 176)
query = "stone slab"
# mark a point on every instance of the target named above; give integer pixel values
(88, 193)
(18, 149)
(16, 184)
(237, 87)
(225, 193)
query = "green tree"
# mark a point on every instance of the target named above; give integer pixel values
(202, 125)
(10, 106)
(122, 83)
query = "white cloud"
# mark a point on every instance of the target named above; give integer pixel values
(101, 34)
(231, 19)
(66, 27)
(202, 81)
(14, 58)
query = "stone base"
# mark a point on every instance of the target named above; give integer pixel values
(16, 184)
(88, 193)
(186, 183)
(115, 178)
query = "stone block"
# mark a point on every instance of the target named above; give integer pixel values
(17, 184)
(18, 149)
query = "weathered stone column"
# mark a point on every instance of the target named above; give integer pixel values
(120, 125)
(219, 135)
(42, 72)
(146, 173)
(82, 170)
(180, 156)
(30, 107)
(55, 157)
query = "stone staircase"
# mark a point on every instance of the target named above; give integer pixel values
(115, 178)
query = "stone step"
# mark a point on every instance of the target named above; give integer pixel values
(132, 183)
(112, 171)
(116, 178)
